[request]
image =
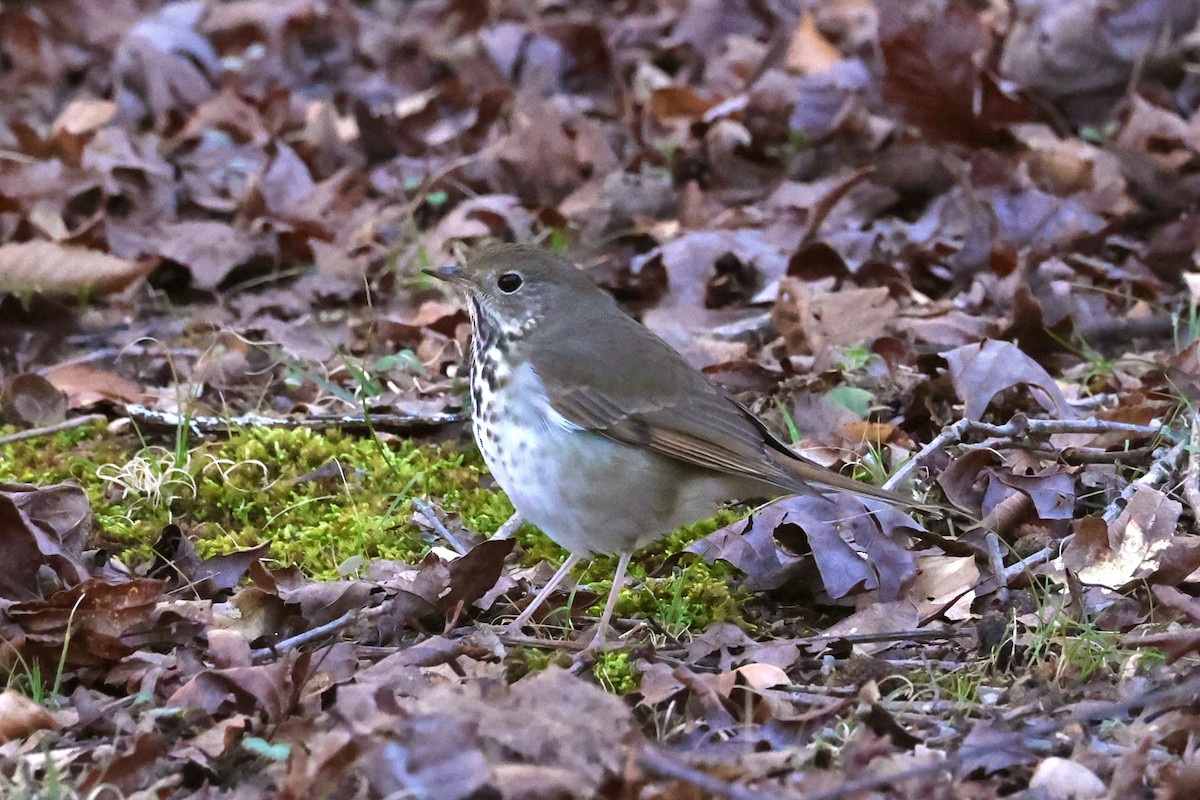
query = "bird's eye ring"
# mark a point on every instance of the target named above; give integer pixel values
(509, 282)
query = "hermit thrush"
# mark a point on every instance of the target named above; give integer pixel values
(599, 432)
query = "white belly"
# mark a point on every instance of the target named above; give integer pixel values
(588, 493)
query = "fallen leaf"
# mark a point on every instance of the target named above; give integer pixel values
(981, 371)
(1060, 779)
(942, 582)
(814, 319)
(809, 51)
(992, 746)
(53, 268)
(21, 717)
(32, 401)
(41, 528)
(86, 386)
(1131, 548)
(894, 617)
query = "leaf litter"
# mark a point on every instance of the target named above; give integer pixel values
(883, 224)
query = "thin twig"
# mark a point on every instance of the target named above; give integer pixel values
(66, 424)
(521, 640)
(1020, 426)
(1191, 483)
(400, 423)
(996, 562)
(870, 638)
(509, 527)
(951, 434)
(1160, 470)
(310, 635)
(1078, 455)
(667, 764)
(435, 521)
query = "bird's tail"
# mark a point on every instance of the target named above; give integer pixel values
(815, 475)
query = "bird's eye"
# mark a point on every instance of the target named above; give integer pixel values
(509, 282)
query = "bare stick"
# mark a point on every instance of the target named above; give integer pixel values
(66, 424)
(1160, 470)
(509, 527)
(435, 521)
(310, 635)
(666, 764)
(952, 434)
(1191, 483)
(198, 424)
(996, 562)
(1021, 425)
(1079, 455)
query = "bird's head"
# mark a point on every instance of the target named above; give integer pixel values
(514, 288)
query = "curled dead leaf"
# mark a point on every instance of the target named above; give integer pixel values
(981, 371)
(86, 386)
(20, 716)
(31, 400)
(1131, 548)
(53, 268)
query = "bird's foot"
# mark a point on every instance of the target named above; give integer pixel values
(586, 657)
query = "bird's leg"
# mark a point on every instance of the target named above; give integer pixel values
(618, 580)
(523, 619)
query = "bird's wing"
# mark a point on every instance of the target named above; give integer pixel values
(648, 396)
(708, 431)
(641, 392)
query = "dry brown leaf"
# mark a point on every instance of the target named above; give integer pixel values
(84, 115)
(53, 268)
(896, 616)
(86, 386)
(757, 677)
(809, 51)
(814, 319)
(945, 584)
(981, 371)
(678, 101)
(1129, 549)
(29, 399)
(20, 716)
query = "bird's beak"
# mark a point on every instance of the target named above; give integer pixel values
(451, 273)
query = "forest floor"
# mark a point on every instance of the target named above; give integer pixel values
(944, 246)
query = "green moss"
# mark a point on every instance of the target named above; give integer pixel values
(689, 597)
(521, 661)
(321, 498)
(615, 673)
(75, 455)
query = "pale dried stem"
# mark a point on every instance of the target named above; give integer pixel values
(1191, 483)
(996, 562)
(1016, 428)
(670, 765)
(435, 521)
(199, 424)
(509, 527)
(66, 424)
